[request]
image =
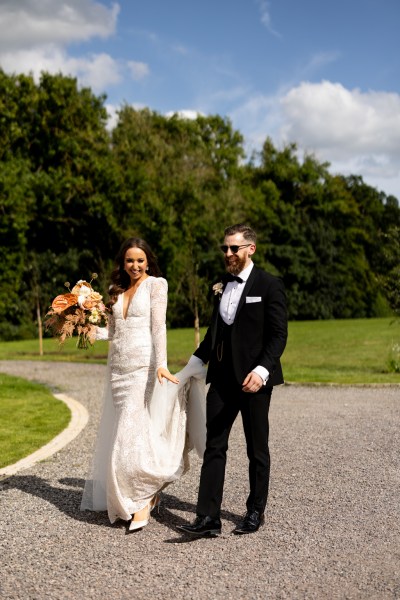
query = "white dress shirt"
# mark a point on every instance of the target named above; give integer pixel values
(228, 306)
(232, 293)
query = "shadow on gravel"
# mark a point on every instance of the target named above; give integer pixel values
(65, 499)
(169, 519)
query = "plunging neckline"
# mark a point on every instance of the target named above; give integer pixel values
(125, 316)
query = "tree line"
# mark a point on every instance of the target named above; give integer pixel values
(71, 191)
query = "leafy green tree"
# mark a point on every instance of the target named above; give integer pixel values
(180, 177)
(56, 183)
(70, 193)
(16, 208)
(315, 238)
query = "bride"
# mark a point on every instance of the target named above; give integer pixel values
(142, 444)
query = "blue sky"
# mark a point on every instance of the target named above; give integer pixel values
(325, 75)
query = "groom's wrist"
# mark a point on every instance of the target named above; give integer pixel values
(262, 372)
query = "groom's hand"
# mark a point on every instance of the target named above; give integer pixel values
(252, 383)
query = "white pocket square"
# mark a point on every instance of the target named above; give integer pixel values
(251, 299)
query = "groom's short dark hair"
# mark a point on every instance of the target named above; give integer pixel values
(248, 233)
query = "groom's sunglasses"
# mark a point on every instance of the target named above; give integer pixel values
(234, 249)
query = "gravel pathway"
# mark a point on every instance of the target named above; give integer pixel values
(332, 525)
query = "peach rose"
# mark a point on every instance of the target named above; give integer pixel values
(64, 301)
(92, 300)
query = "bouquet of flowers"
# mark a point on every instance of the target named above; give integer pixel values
(78, 311)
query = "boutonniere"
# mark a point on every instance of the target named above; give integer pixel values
(218, 288)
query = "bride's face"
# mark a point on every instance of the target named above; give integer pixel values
(135, 264)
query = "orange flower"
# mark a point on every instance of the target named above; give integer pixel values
(92, 300)
(64, 301)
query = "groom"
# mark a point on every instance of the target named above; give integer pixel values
(243, 345)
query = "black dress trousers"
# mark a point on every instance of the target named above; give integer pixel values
(225, 400)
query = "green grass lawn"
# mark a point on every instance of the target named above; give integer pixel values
(29, 350)
(341, 351)
(337, 351)
(30, 417)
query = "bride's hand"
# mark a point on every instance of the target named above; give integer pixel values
(161, 372)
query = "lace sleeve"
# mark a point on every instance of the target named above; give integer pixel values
(158, 300)
(106, 333)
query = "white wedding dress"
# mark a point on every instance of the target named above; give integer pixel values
(146, 429)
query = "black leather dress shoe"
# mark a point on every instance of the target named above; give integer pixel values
(251, 523)
(205, 526)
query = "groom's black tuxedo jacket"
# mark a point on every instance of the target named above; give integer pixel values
(259, 331)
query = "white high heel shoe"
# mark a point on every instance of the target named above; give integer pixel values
(134, 525)
(154, 503)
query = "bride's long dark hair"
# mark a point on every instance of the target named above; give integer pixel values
(120, 279)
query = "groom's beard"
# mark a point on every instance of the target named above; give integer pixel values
(235, 264)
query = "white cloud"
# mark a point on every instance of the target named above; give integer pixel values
(264, 7)
(96, 71)
(189, 114)
(28, 23)
(346, 122)
(138, 70)
(317, 62)
(257, 118)
(112, 114)
(36, 35)
(357, 132)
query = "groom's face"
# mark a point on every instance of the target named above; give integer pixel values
(235, 262)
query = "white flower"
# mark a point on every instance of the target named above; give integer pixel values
(218, 288)
(94, 316)
(84, 292)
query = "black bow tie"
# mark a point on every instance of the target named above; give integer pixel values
(230, 277)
